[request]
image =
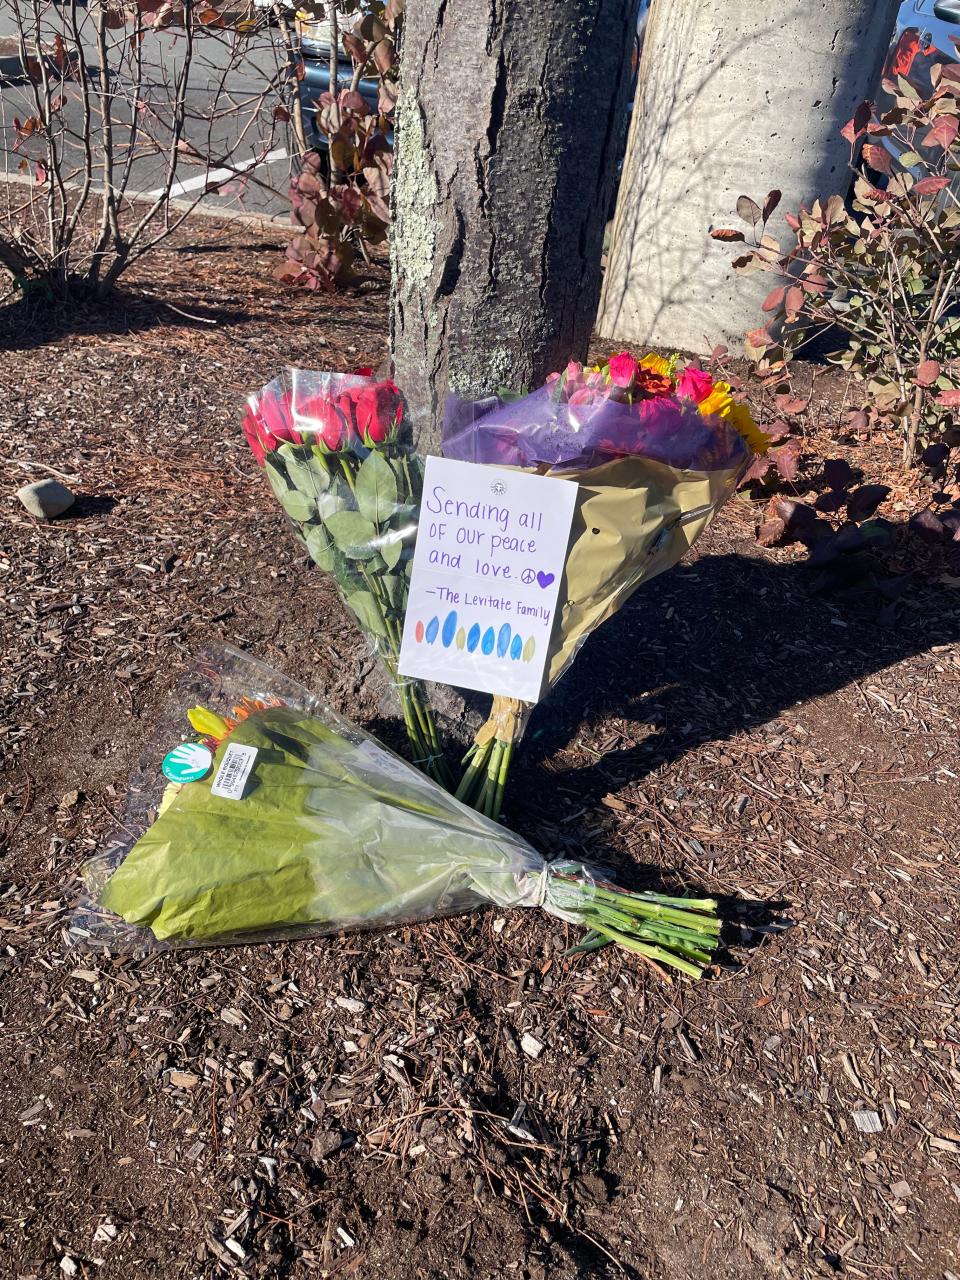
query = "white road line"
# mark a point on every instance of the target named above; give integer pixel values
(215, 176)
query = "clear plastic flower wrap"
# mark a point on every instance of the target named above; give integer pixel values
(655, 451)
(333, 450)
(279, 819)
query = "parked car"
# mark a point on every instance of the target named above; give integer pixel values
(927, 33)
(314, 36)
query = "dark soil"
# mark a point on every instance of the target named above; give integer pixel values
(363, 1106)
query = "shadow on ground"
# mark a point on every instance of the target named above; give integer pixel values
(714, 649)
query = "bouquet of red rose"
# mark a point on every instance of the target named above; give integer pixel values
(655, 450)
(330, 445)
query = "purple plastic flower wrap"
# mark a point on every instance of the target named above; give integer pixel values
(587, 429)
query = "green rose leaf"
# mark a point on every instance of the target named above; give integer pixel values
(276, 478)
(319, 546)
(354, 535)
(364, 607)
(297, 505)
(329, 504)
(392, 550)
(305, 470)
(376, 487)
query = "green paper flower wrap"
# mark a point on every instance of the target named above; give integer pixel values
(330, 831)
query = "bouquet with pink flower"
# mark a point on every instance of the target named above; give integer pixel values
(655, 448)
(331, 447)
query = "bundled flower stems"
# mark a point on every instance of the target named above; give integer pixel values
(331, 448)
(655, 451)
(277, 819)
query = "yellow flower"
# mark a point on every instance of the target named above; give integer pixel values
(722, 403)
(719, 401)
(208, 723)
(739, 416)
(658, 364)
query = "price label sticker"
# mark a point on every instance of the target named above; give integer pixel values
(234, 771)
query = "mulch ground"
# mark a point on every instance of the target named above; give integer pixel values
(364, 1105)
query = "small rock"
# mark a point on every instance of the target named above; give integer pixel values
(530, 1045)
(351, 1005)
(68, 1266)
(106, 1233)
(867, 1121)
(326, 1143)
(183, 1079)
(46, 499)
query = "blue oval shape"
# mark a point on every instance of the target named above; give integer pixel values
(449, 628)
(433, 626)
(503, 640)
(473, 639)
(489, 640)
(516, 648)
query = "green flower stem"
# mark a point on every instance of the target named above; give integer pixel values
(476, 768)
(668, 958)
(653, 925)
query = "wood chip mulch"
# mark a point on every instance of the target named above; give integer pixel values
(457, 1099)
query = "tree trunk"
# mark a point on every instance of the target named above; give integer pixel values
(509, 128)
(735, 98)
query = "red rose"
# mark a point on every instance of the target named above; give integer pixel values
(250, 430)
(325, 419)
(276, 421)
(379, 411)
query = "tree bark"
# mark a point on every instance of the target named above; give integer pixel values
(734, 98)
(510, 124)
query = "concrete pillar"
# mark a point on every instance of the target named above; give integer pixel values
(734, 98)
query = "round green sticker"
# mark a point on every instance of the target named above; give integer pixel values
(187, 763)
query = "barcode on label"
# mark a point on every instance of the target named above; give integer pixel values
(234, 771)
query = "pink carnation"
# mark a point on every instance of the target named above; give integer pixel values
(623, 369)
(693, 384)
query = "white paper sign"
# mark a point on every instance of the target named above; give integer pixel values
(490, 553)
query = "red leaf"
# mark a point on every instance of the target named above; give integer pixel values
(787, 403)
(773, 299)
(770, 532)
(793, 301)
(759, 338)
(942, 133)
(757, 469)
(776, 430)
(356, 48)
(773, 199)
(877, 157)
(927, 373)
(950, 399)
(41, 174)
(280, 112)
(792, 221)
(787, 458)
(726, 233)
(929, 186)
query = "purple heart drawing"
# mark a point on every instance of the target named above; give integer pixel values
(544, 579)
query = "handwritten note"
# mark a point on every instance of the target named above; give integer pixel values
(491, 548)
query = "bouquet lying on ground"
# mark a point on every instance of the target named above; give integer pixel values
(655, 450)
(331, 448)
(287, 821)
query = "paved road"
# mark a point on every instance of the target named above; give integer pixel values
(228, 75)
